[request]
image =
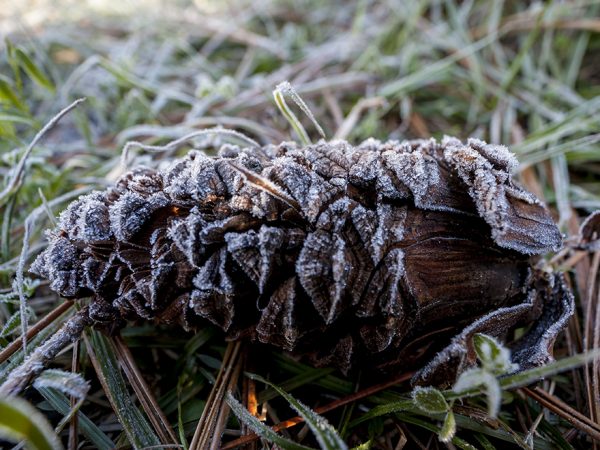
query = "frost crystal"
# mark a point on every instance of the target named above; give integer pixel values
(377, 253)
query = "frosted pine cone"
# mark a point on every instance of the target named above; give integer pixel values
(368, 254)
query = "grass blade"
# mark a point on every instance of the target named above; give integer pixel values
(19, 421)
(139, 432)
(260, 428)
(33, 71)
(60, 403)
(326, 434)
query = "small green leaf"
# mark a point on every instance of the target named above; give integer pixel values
(19, 421)
(14, 63)
(448, 428)
(16, 118)
(69, 383)
(12, 324)
(8, 95)
(33, 71)
(492, 354)
(279, 97)
(480, 377)
(430, 400)
(537, 373)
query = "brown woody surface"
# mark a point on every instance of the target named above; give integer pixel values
(374, 254)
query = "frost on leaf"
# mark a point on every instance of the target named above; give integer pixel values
(373, 254)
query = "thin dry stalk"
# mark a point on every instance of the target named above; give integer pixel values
(224, 413)
(74, 421)
(39, 359)
(354, 115)
(33, 331)
(560, 408)
(206, 430)
(157, 417)
(334, 107)
(588, 340)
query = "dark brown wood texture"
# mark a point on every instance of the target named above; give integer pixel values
(376, 253)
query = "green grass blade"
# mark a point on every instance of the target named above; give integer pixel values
(139, 432)
(309, 376)
(326, 434)
(7, 94)
(381, 410)
(70, 383)
(19, 421)
(260, 428)
(33, 71)
(532, 375)
(279, 97)
(61, 404)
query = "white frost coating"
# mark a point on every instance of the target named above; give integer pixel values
(521, 194)
(313, 271)
(94, 222)
(214, 277)
(369, 144)
(553, 304)
(185, 233)
(131, 211)
(69, 218)
(499, 155)
(244, 247)
(59, 265)
(95, 271)
(69, 383)
(484, 187)
(270, 240)
(589, 232)
(392, 304)
(87, 219)
(330, 161)
(194, 178)
(417, 171)
(365, 222)
(366, 169)
(331, 218)
(534, 349)
(390, 228)
(485, 170)
(294, 177)
(340, 269)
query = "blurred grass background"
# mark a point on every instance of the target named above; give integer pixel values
(520, 73)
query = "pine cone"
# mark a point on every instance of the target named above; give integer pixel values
(345, 255)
